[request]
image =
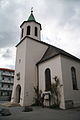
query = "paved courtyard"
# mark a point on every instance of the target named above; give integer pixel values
(40, 113)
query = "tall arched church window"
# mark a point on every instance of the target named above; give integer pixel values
(74, 81)
(28, 30)
(47, 79)
(36, 32)
(22, 33)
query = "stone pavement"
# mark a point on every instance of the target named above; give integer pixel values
(40, 113)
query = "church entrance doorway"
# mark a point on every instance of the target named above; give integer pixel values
(18, 93)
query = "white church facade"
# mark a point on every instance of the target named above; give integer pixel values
(37, 63)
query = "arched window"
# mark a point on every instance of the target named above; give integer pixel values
(22, 33)
(74, 81)
(47, 79)
(36, 32)
(18, 93)
(28, 30)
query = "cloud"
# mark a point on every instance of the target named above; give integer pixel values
(7, 54)
(7, 57)
(62, 25)
(10, 14)
(60, 21)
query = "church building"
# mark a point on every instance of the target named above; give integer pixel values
(38, 63)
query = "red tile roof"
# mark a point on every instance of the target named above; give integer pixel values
(6, 69)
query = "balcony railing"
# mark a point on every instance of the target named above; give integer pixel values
(7, 81)
(7, 74)
(3, 88)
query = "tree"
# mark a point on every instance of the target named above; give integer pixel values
(37, 98)
(55, 91)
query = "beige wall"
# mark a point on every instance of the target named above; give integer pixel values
(69, 93)
(55, 66)
(34, 53)
(20, 67)
(29, 52)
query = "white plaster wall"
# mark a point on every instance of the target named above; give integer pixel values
(34, 53)
(69, 93)
(32, 25)
(55, 67)
(20, 67)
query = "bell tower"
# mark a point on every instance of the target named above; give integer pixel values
(29, 52)
(31, 28)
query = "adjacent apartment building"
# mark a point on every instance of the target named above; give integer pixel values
(6, 83)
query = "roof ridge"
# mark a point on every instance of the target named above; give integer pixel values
(60, 51)
(50, 53)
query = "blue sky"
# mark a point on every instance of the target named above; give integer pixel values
(60, 20)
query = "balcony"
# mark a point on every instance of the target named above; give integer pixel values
(7, 81)
(8, 89)
(7, 74)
